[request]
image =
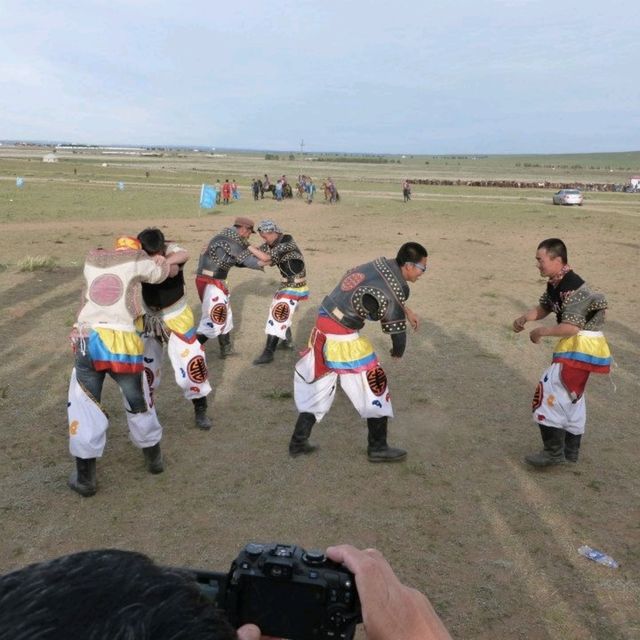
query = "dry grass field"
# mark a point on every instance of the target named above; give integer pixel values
(491, 541)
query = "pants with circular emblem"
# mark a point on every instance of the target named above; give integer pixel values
(187, 359)
(367, 389)
(216, 318)
(553, 406)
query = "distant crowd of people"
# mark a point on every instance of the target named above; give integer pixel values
(282, 188)
(226, 191)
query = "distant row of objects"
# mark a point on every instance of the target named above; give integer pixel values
(632, 186)
(120, 186)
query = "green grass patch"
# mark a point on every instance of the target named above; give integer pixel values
(36, 263)
(278, 394)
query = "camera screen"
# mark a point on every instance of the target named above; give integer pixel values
(282, 608)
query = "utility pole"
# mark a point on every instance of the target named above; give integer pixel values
(301, 157)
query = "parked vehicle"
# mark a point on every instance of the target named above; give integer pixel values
(568, 196)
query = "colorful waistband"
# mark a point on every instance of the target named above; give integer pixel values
(116, 351)
(293, 293)
(586, 350)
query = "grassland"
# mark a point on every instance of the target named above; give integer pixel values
(491, 542)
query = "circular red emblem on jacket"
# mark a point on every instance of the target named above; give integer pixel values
(351, 281)
(197, 369)
(281, 311)
(377, 380)
(219, 313)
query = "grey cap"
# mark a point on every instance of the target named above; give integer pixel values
(268, 226)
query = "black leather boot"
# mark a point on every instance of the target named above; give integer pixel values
(269, 348)
(83, 479)
(299, 443)
(226, 348)
(553, 448)
(202, 419)
(153, 458)
(571, 446)
(287, 343)
(378, 449)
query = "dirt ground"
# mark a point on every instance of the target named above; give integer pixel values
(492, 542)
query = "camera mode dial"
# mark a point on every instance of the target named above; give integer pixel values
(254, 549)
(313, 557)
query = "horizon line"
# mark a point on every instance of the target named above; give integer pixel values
(211, 149)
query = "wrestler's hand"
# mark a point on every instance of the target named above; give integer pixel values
(413, 319)
(518, 323)
(74, 337)
(536, 334)
(158, 259)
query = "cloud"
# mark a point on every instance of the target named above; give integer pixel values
(364, 75)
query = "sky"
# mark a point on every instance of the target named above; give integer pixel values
(360, 76)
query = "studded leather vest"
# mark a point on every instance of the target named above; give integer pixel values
(286, 255)
(225, 250)
(573, 301)
(373, 291)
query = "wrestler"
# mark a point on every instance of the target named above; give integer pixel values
(229, 248)
(559, 405)
(280, 250)
(105, 341)
(376, 291)
(169, 322)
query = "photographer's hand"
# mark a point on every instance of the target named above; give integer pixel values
(251, 632)
(389, 608)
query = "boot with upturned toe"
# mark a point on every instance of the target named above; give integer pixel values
(153, 459)
(571, 446)
(378, 450)
(267, 355)
(553, 448)
(226, 348)
(83, 479)
(287, 343)
(200, 408)
(299, 443)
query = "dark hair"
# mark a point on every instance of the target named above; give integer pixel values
(152, 240)
(106, 594)
(411, 252)
(555, 248)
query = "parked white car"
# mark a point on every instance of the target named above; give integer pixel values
(568, 196)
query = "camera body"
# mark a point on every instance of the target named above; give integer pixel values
(288, 592)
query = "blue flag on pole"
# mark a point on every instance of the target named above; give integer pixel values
(207, 197)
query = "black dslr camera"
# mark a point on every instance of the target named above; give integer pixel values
(287, 591)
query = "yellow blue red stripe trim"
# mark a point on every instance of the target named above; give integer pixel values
(117, 351)
(589, 352)
(293, 293)
(350, 356)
